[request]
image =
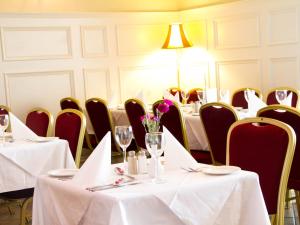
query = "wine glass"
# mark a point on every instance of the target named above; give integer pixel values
(281, 96)
(123, 137)
(201, 96)
(4, 120)
(224, 94)
(155, 143)
(185, 96)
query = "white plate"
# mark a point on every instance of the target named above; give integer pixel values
(220, 170)
(63, 173)
(43, 139)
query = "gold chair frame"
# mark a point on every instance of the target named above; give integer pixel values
(257, 91)
(109, 118)
(182, 123)
(294, 90)
(216, 104)
(81, 132)
(278, 218)
(50, 116)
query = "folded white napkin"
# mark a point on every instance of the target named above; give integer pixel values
(288, 100)
(176, 156)
(113, 101)
(20, 130)
(211, 95)
(225, 96)
(175, 98)
(97, 168)
(255, 104)
(141, 96)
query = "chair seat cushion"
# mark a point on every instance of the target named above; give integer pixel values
(201, 156)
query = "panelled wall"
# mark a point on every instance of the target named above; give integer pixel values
(251, 43)
(48, 57)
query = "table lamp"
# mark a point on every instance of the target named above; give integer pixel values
(176, 39)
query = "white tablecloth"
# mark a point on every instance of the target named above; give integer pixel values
(22, 161)
(185, 199)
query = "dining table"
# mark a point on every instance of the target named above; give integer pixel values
(22, 161)
(202, 197)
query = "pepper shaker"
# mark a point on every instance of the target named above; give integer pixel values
(132, 163)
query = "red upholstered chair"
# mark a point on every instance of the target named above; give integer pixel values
(266, 147)
(271, 98)
(73, 103)
(135, 109)
(193, 96)
(70, 125)
(217, 118)
(101, 120)
(4, 109)
(174, 90)
(174, 122)
(238, 98)
(40, 121)
(290, 116)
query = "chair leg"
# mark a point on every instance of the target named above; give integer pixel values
(87, 140)
(273, 219)
(297, 194)
(23, 218)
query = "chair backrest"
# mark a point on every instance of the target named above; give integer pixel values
(174, 90)
(40, 121)
(271, 98)
(193, 96)
(174, 122)
(290, 116)
(70, 125)
(4, 109)
(217, 118)
(70, 103)
(238, 97)
(135, 109)
(101, 120)
(265, 146)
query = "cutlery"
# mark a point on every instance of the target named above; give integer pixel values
(190, 169)
(121, 172)
(111, 186)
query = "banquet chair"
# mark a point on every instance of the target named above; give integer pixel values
(135, 109)
(174, 91)
(174, 122)
(238, 98)
(264, 146)
(70, 125)
(73, 103)
(290, 116)
(101, 121)
(40, 121)
(217, 118)
(193, 96)
(271, 98)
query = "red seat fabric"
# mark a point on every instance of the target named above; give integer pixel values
(4, 110)
(70, 125)
(176, 90)
(238, 98)
(70, 103)
(292, 117)
(271, 98)
(202, 156)
(193, 96)
(173, 121)
(262, 148)
(38, 121)
(101, 119)
(135, 110)
(217, 119)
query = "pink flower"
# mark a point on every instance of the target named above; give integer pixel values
(163, 107)
(168, 102)
(142, 117)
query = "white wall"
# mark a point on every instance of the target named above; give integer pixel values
(48, 57)
(250, 43)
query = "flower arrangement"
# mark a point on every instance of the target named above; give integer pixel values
(152, 122)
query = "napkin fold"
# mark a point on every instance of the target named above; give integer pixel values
(175, 98)
(97, 168)
(288, 100)
(176, 156)
(254, 104)
(225, 96)
(20, 130)
(141, 96)
(211, 95)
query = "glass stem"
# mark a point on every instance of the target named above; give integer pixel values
(124, 157)
(156, 169)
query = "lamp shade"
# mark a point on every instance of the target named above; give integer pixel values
(176, 37)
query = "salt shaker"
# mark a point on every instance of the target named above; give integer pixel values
(142, 162)
(132, 163)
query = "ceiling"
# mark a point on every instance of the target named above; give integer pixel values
(103, 5)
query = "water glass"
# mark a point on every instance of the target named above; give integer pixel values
(281, 96)
(201, 96)
(155, 143)
(123, 137)
(185, 96)
(4, 121)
